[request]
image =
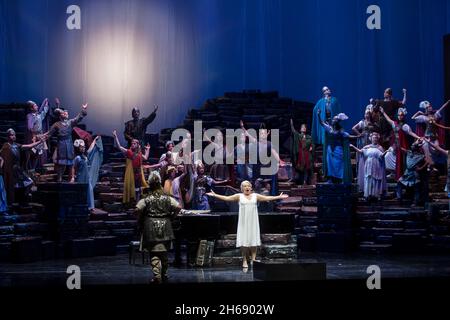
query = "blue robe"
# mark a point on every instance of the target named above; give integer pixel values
(336, 155)
(317, 131)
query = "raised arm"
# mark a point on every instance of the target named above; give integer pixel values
(407, 129)
(91, 147)
(356, 149)
(251, 138)
(261, 198)
(356, 128)
(80, 115)
(436, 146)
(404, 97)
(292, 127)
(147, 152)
(32, 145)
(443, 106)
(418, 113)
(232, 198)
(151, 117)
(118, 142)
(388, 119)
(44, 107)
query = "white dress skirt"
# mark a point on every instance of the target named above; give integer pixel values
(248, 234)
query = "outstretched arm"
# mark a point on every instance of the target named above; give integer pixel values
(443, 106)
(404, 97)
(292, 127)
(261, 198)
(418, 113)
(91, 147)
(80, 116)
(436, 146)
(151, 117)
(232, 198)
(355, 128)
(250, 137)
(147, 152)
(44, 107)
(118, 142)
(357, 150)
(32, 145)
(388, 119)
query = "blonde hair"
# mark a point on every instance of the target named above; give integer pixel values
(245, 182)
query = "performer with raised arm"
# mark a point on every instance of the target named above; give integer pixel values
(84, 170)
(134, 179)
(415, 175)
(255, 146)
(427, 124)
(329, 107)
(336, 161)
(63, 131)
(136, 128)
(248, 234)
(302, 154)
(401, 129)
(36, 157)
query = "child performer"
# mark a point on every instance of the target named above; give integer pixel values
(134, 179)
(248, 235)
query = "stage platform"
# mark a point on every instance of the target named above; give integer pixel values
(116, 270)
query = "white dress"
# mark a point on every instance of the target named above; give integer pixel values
(248, 222)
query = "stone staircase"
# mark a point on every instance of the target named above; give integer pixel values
(389, 226)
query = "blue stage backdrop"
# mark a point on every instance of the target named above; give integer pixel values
(177, 53)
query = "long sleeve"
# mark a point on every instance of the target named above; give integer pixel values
(43, 112)
(149, 119)
(30, 122)
(53, 129)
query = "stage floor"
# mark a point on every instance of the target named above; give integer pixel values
(116, 270)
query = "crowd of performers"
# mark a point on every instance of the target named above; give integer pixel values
(385, 145)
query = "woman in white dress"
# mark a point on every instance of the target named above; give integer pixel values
(248, 235)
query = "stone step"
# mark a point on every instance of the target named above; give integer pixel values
(375, 248)
(110, 197)
(279, 251)
(289, 209)
(124, 224)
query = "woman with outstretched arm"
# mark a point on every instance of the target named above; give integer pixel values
(248, 235)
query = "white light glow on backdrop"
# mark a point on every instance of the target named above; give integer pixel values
(135, 54)
(118, 74)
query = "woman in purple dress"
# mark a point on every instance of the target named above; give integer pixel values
(374, 168)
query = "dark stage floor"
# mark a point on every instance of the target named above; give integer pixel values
(116, 270)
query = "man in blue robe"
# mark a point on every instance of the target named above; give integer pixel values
(329, 107)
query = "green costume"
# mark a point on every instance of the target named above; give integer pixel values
(154, 220)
